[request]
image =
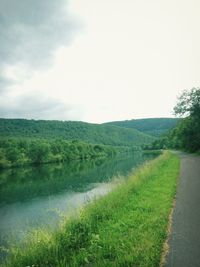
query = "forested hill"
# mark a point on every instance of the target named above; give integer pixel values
(153, 127)
(73, 130)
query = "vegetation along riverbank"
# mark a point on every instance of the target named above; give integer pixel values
(18, 152)
(25, 142)
(127, 227)
(186, 135)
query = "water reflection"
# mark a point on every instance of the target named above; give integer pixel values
(22, 184)
(31, 197)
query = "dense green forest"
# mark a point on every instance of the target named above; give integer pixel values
(71, 130)
(186, 135)
(154, 127)
(39, 141)
(16, 152)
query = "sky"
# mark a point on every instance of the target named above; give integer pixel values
(97, 61)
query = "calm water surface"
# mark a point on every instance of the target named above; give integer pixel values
(37, 196)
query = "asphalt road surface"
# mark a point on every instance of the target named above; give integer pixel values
(184, 241)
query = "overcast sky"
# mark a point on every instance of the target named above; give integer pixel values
(97, 61)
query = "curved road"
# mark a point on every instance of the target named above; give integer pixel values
(184, 241)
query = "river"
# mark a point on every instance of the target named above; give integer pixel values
(34, 197)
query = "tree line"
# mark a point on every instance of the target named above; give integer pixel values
(15, 152)
(73, 130)
(186, 135)
(151, 126)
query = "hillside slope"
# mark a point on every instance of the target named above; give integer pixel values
(152, 126)
(73, 130)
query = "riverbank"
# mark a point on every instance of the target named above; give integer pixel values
(127, 227)
(22, 152)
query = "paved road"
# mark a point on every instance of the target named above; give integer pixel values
(184, 241)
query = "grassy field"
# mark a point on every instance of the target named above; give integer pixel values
(127, 227)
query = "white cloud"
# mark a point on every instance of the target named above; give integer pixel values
(30, 31)
(130, 60)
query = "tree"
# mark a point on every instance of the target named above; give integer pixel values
(39, 152)
(188, 131)
(188, 103)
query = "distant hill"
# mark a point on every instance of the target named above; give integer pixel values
(153, 127)
(73, 130)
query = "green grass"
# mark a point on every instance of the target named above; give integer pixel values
(125, 228)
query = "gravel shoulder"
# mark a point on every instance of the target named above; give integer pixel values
(184, 240)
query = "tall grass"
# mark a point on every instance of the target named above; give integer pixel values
(127, 227)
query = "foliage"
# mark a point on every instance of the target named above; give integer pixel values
(188, 103)
(16, 152)
(125, 228)
(152, 126)
(186, 135)
(73, 130)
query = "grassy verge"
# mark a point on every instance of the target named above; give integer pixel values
(125, 228)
